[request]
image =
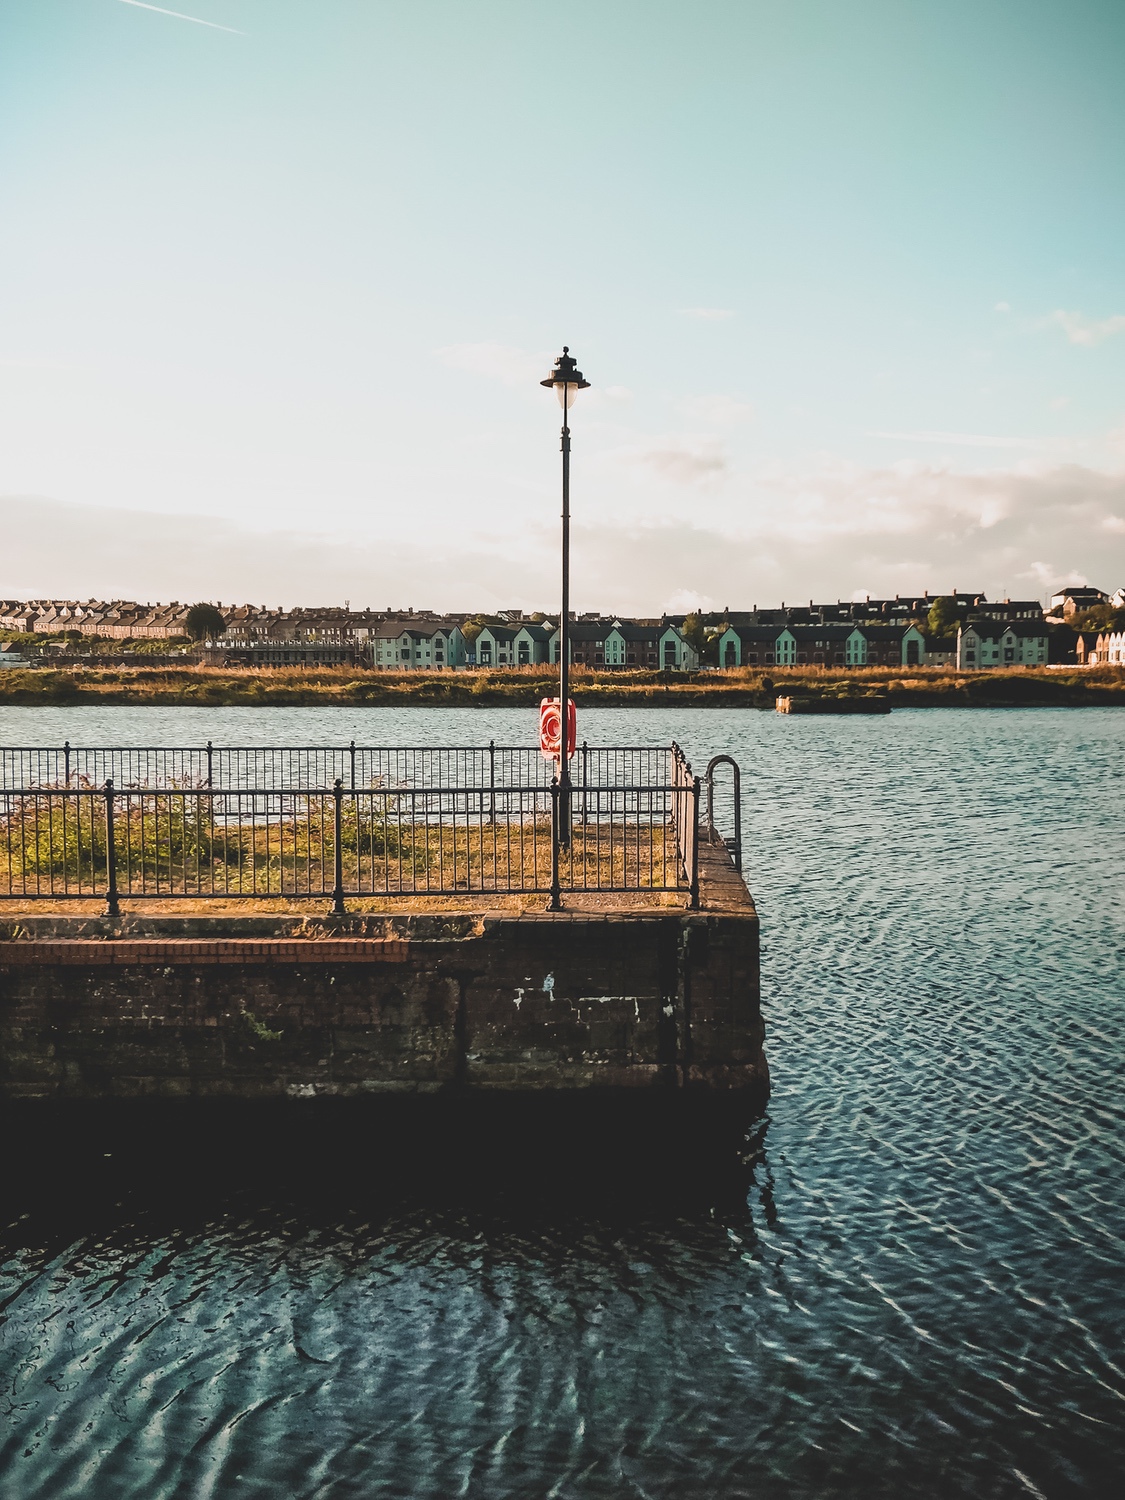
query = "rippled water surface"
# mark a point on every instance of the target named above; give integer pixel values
(925, 1295)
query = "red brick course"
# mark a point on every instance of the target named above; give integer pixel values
(171, 951)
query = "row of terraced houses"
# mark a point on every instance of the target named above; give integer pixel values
(869, 632)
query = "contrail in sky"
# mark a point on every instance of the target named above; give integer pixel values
(179, 15)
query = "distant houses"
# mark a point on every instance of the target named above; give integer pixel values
(965, 631)
(821, 646)
(1105, 648)
(627, 645)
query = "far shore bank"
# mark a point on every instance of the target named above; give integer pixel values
(913, 687)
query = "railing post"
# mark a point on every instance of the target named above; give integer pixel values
(112, 905)
(694, 843)
(492, 781)
(66, 761)
(351, 752)
(585, 780)
(555, 903)
(737, 818)
(338, 848)
(210, 767)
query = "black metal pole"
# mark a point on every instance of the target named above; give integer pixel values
(555, 902)
(112, 906)
(338, 848)
(564, 638)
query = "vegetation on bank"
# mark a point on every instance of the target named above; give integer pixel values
(737, 688)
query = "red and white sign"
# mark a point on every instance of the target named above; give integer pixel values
(550, 728)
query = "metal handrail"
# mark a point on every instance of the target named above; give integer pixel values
(735, 844)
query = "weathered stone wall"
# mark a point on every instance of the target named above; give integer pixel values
(248, 1008)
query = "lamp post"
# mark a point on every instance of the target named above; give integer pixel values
(566, 378)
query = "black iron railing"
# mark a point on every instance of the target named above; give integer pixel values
(320, 766)
(453, 823)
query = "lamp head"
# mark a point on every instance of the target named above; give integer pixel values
(566, 378)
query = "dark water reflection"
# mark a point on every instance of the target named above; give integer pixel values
(923, 1294)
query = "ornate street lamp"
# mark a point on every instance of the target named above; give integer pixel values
(566, 378)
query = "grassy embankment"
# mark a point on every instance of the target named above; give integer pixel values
(742, 688)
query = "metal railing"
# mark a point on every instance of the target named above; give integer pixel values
(312, 766)
(490, 834)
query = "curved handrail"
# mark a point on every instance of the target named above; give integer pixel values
(709, 777)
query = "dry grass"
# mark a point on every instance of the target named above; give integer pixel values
(742, 687)
(171, 843)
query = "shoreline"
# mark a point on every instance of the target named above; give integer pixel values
(916, 687)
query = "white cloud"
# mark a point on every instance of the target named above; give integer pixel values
(684, 601)
(500, 362)
(1088, 331)
(683, 461)
(708, 314)
(969, 440)
(1002, 307)
(718, 411)
(827, 532)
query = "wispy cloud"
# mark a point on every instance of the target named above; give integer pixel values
(708, 314)
(1088, 331)
(179, 15)
(812, 532)
(683, 461)
(969, 440)
(500, 362)
(718, 411)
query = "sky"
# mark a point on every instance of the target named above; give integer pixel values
(279, 279)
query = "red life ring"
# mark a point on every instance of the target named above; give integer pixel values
(550, 728)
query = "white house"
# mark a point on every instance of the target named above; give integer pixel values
(989, 643)
(1110, 648)
(422, 648)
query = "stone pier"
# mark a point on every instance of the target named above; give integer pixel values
(640, 1005)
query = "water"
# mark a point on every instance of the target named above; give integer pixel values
(924, 1295)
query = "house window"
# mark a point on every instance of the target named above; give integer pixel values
(1008, 653)
(729, 654)
(769, 658)
(631, 658)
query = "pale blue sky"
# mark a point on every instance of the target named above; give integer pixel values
(848, 277)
